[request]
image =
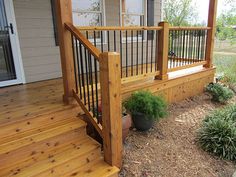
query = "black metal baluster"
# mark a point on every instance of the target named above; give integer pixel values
(176, 49)
(189, 45)
(156, 52)
(108, 40)
(179, 48)
(79, 73)
(194, 46)
(102, 41)
(94, 38)
(114, 40)
(172, 49)
(82, 70)
(91, 81)
(152, 49)
(142, 52)
(87, 79)
(137, 54)
(203, 45)
(199, 44)
(132, 53)
(121, 60)
(74, 62)
(183, 55)
(186, 47)
(96, 87)
(191, 49)
(126, 52)
(147, 52)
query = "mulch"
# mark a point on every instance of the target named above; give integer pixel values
(169, 149)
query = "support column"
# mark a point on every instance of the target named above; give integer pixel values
(110, 83)
(162, 51)
(64, 15)
(211, 33)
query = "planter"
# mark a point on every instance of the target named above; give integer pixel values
(142, 122)
(126, 124)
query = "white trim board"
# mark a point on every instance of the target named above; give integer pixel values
(15, 47)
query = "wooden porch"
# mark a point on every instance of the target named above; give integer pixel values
(42, 136)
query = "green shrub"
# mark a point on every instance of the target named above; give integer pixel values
(219, 93)
(218, 133)
(145, 102)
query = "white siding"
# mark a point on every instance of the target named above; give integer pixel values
(40, 55)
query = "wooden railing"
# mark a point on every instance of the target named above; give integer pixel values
(97, 60)
(136, 45)
(98, 91)
(187, 47)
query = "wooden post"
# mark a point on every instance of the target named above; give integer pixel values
(110, 82)
(211, 33)
(64, 14)
(162, 51)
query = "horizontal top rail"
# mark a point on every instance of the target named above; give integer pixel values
(188, 28)
(79, 36)
(120, 28)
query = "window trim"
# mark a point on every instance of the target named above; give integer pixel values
(145, 12)
(103, 12)
(145, 23)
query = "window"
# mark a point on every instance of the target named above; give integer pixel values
(87, 12)
(133, 12)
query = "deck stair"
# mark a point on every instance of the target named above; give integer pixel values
(51, 145)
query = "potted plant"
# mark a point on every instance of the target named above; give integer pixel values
(145, 108)
(126, 124)
(126, 121)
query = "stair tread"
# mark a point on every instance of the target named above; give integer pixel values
(39, 149)
(41, 135)
(96, 168)
(53, 159)
(27, 127)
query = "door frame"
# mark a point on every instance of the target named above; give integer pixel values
(16, 52)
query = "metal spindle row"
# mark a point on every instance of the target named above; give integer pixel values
(137, 48)
(86, 76)
(186, 47)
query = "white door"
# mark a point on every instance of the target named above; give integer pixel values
(11, 70)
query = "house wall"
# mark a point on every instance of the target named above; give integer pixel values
(40, 55)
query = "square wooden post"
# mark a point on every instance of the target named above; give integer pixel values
(162, 51)
(211, 33)
(64, 15)
(110, 82)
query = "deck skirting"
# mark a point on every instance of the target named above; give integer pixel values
(176, 88)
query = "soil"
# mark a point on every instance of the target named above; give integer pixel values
(169, 149)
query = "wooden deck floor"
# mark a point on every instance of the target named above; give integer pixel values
(40, 136)
(31, 100)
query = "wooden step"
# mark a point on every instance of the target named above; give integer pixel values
(97, 168)
(38, 150)
(72, 156)
(22, 128)
(41, 135)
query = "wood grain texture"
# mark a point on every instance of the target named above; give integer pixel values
(64, 14)
(46, 142)
(211, 33)
(111, 107)
(162, 51)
